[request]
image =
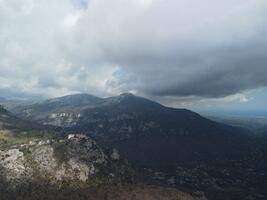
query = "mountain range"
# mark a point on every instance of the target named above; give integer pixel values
(178, 145)
(43, 164)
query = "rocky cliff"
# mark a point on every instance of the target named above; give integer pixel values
(74, 167)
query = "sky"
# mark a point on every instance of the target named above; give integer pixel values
(204, 55)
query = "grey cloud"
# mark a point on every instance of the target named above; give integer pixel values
(218, 58)
(179, 48)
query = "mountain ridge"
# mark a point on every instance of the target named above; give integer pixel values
(79, 103)
(43, 164)
(186, 148)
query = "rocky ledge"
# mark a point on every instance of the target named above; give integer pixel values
(74, 167)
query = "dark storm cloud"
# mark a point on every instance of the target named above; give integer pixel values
(234, 71)
(215, 58)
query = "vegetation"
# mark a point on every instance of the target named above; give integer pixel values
(15, 138)
(42, 190)
(61, 151)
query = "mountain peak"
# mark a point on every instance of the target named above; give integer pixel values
(74, 99)
(75, 96)
(127, 94)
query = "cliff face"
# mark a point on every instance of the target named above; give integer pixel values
(74, 168)
(56, 161)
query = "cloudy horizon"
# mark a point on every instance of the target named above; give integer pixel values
(178, 52)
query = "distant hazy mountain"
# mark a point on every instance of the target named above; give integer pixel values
(10, 121)
(254, 124)
(62, 111)
(11, 104)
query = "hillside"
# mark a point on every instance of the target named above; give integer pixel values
(101, 115)
(10, 121)
(62, 111)
(179, 146)
(146, 132)
(54, 164)
(72, 169)
(254, 124)
(44, 164)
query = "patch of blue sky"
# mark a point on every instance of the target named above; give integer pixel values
(84, 3)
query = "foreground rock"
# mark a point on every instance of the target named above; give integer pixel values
(74, 168)
(76, 159)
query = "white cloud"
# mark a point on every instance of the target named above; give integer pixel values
(72, 19)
